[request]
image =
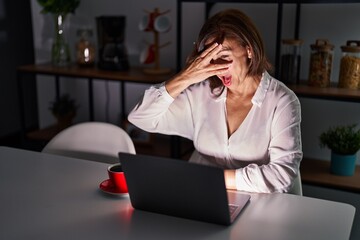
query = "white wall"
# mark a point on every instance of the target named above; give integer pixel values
(335, 22)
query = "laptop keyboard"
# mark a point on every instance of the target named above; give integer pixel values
(232, 208)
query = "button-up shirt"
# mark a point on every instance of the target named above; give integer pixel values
(265, 150)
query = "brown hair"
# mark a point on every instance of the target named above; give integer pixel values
(233, 24)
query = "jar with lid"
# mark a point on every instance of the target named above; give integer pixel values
(290, 61)
(85, 50)
(321, 60)
(349, 76)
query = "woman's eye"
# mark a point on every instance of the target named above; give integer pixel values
(220, 61)
(225, 57)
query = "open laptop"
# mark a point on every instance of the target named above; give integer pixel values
(179, 188)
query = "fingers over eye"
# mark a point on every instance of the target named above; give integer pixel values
(209, 50)
(220, 67)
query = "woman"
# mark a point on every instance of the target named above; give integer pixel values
(238, 116)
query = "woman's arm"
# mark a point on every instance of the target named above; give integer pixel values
(164, 108)
(159, 112)
(285, 152)
(197, 71)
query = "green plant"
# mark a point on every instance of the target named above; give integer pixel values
(63, 106)
(343, 140)
(59, 6)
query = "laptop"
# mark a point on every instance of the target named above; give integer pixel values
(181, 189)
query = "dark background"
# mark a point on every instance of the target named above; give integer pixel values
(16, 48)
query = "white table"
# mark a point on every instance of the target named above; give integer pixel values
(52, 197)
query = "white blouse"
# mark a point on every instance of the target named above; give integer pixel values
(265, 150)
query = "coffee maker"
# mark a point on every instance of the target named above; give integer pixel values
(111, 38)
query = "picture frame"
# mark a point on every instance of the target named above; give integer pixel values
(138, 135)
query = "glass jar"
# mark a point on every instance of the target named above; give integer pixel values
(290, 61)
(85, 50)
(349, 76)
(321, 60)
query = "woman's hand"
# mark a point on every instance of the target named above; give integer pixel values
(229, 176)
(202, 67)
(198, 70)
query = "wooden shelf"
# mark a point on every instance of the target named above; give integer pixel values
(134, 74)
(73, 73)
(329, 93)
(45, 134)
(317, 172)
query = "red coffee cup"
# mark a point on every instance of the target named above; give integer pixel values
(117, 177)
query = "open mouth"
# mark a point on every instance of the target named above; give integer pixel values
(226, 80)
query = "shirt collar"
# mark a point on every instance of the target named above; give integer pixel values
(262, 89)
(260, 93)
(222, 96)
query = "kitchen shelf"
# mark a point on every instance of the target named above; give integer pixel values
(317, 172)
(313, 171)
(210, 3)
(75, 73)
(45, 134)
(328, 93)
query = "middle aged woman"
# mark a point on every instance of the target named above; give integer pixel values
(239, 117)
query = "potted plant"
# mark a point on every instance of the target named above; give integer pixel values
(60, 52)
(64, 109)
(344, 142)
(59, 6)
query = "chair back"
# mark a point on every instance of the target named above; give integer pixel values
(95, 141)
(297, 186)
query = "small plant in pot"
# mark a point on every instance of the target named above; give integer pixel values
(64, 110)
(344, 143)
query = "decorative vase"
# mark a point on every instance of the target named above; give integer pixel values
(343, 165)
(60, 52)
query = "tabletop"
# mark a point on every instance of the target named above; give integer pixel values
(45, 196)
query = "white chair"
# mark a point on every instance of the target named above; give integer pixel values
(297, 186)
(95, 141)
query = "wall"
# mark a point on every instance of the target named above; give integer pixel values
(16, 48)
(335, 22)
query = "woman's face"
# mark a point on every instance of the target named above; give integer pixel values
(238, 55)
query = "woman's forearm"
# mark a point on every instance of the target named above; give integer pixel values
(177, 84)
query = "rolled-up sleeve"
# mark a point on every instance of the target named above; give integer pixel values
(158, 112)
